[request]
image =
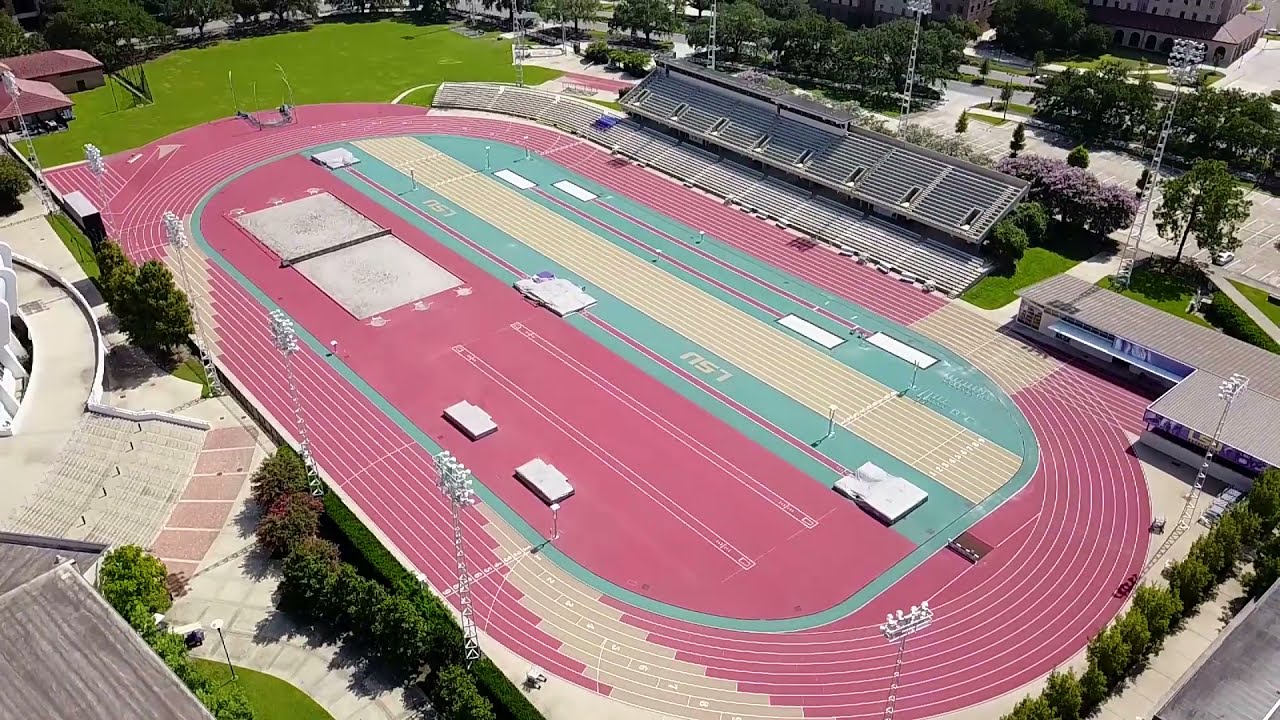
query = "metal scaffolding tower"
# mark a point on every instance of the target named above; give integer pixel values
(1184, 69)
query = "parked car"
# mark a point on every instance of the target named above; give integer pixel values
(1226, 257)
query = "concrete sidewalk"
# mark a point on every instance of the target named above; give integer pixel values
(1231, 291)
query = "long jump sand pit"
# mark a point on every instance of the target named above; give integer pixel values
(376, 276)
(361, 266)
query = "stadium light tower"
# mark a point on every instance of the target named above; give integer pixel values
(177, 236)
(896, 629)
(286, 340)
(15, 92)
(919, 8)
(98, 166)
(1228, 391)
(711, 36)
(1184, 69)
(456, 483)
(517, 27)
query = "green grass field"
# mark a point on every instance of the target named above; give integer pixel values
(1163, 288)
(1259, 298)
(1061, 252)
(75, 241)
(330, 62)
(270, 697)
(987, 119)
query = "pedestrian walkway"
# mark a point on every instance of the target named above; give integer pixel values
(1231, 291)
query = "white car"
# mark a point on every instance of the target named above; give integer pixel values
(1226, 257)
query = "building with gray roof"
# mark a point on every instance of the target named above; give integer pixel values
(1187, 359)
(23, 557)
(1238, 677)
(65, 653)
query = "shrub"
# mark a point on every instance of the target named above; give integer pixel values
(14, 181)
(1007, 242)
(456, 697)
(131, 576)
(1032, 219)
(508, 702)
(597, 52)
(361, 547)
(117, 275)
(1063, 694)
(1225, 314)
(1110, 653)
(308, 574)
(280, 474)
(1160, 607)
(291, 520)
(635, 64)
(1078, 157)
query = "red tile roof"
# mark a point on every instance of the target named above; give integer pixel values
(50, 63)
(1233, 32)
(37, 97)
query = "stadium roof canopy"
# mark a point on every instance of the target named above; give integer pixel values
(65, 653)
(1238, 677)
(1215, 356)
(779, 97)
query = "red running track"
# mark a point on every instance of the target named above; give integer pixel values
(1070, 538)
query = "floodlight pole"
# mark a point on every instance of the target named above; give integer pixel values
(98, 166)
(518, 29)
(1184, 69)
(1228, 391)
(896, 629)
(286, 340)
(715, 12)
(919, 8)
(15, 92)
(177, 236)
(456, 484)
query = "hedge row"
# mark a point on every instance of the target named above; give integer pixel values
(362, 550)
(1121, 649)
(1234, 321)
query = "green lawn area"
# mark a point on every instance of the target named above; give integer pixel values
(1061, 252)
(1014, 108)
(1128, 57)
(987, 119)
(1207, 79)
(192, 370)
(606, 103)
(421, 97)
(270, 697)
(1258, 297)
(330, 62)
(1155, 285)
(75, 241)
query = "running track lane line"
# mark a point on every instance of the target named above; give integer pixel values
(635, 479)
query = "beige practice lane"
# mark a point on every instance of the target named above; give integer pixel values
(958, 458)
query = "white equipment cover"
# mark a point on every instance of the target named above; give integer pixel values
(888, 497)
(335, 158)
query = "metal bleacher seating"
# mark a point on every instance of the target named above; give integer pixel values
(888, 172)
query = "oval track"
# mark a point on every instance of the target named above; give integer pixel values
(1066, 541)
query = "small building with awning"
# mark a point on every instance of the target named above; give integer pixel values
(1185, 361)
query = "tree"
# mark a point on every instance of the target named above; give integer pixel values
(643, 16)
(1063, 694)
(1027, 26)
(400, 636)
(249, 11)
(1264, 500)
(282, 473)
(1032, 219)
(962, 122)
(1132, 627)
(1093, 688)
(15, 41)
(1007, 242)
(116, 273)
(1006, 96)
(1032, 708)
(154, 313)
(1189, 580)
(14, 181)
(199, 13)
(1099, 104)
(292, 519)
(1109, 651)
(1160, 607)
(1019, 140)
(1078, 157)
(958, 26)
(1236, 127)
(984, 69)
(456, 697)
(742, 23)
(227, 702)
(114, 31)
(1143, 179)
(1037, 62)
(1266, 569)
(1074, 196)
(1204, 201)
(132, 578)
(308, 573)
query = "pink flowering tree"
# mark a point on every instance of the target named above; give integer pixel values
(1074, 195)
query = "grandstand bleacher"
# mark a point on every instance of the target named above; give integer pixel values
(952, 192)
